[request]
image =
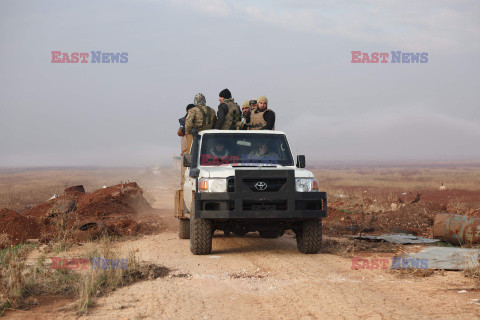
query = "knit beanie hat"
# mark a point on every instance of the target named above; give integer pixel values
(262, 98)
(225, 93)
(245, 105)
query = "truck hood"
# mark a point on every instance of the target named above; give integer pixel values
(228, 171)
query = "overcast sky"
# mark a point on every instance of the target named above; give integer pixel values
(297, 53)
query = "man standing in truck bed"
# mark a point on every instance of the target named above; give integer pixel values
(229, 113)
(245, 114)
(201, 117)
(181, 130)
(262, 118)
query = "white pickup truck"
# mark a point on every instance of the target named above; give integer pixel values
(242, 181)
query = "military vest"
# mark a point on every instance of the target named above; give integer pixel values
(206, 121)
(257, 121)
(233, 119)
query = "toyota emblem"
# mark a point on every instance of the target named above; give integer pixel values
(261, 186)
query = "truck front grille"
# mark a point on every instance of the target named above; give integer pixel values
(272, 184)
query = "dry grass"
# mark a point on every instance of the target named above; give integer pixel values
(415, 272)
(99, 281)
(20, 280)
(350, 248)
(42, 279)
(473, 270)
(472, 273)
(65, 227)
(400, 178)
(12, 280)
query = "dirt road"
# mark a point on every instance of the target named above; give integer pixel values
(254, 278)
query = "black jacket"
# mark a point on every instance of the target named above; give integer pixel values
(182, 123)
(221, 113)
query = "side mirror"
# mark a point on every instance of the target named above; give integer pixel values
(187, 160)
(194, 172)
(301, 161)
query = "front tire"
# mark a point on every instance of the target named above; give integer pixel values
(309, 236)
(200, 236)
(184, 228)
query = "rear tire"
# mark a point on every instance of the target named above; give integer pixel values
(201, 236)
(184, 228)
(309, 236)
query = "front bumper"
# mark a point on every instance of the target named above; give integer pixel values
(265, 205)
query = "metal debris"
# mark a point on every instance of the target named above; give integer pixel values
(447, 258)
(457, 229)
(401, 238)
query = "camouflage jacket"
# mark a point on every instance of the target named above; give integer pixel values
(201, 117)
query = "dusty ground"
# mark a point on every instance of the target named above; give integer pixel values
(247, 278)
(251, 277)
(258, 278)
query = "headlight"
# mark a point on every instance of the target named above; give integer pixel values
(212, 185)
(306, 185)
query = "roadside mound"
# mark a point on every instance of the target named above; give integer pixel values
(120, 199)
(81, 216)
(17, 228)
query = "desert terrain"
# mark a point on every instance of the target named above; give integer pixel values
(244, 277)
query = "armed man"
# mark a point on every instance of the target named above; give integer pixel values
(245, 114)
(181, 130)
(253, 105)
(200, 117)
(262, 118)
(229, 113)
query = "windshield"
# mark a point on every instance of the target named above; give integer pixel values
(245, 149)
